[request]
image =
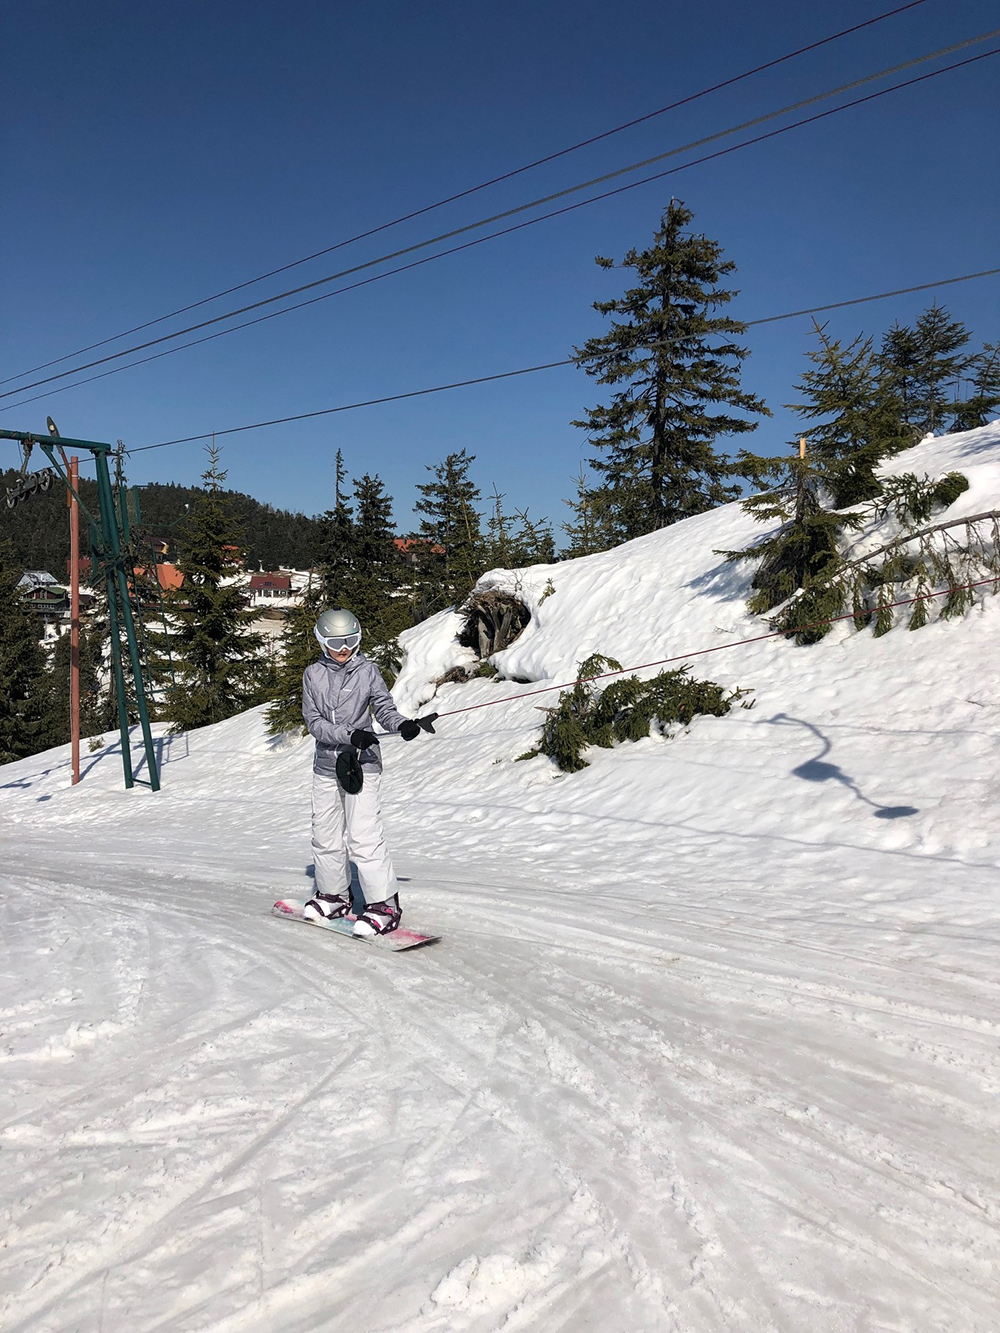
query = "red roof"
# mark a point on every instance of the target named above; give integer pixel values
(408, 544)
(276, 582)
(169, 577)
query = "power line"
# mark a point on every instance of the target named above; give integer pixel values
(503, 232)
(463, 194)
(560, 194)
(547, 365)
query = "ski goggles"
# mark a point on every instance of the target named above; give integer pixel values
(338, 642)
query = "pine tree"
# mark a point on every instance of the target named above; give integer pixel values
(920, 363)
(676, 360)
(452, 552)
(334, 546)
(804, 552)
(298, 649)
(593, 529)
(899, 358)
(516, 541)
(218, 668)
(375, 587)
(984, 400)
(855, 415)
(25, 685)
(95, 698)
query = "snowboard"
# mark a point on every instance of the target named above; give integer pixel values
(395, 942)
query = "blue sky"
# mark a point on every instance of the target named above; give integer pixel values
(157, 153)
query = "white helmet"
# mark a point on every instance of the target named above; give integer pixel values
(338, 629)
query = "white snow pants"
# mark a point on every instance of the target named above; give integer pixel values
(345, 826)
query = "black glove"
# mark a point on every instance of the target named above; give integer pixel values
(350, 774)
(363, 740)
(413, 725)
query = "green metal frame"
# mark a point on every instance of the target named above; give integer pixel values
(109, 552)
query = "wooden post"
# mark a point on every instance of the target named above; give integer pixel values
(802, 447)
(74, 617)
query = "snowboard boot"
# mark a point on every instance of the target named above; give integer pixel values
(379, 918)
(326, 907)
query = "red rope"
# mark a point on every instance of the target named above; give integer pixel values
(700, 652)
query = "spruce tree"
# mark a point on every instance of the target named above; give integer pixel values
(452, 554)
(298, 649)
(924, 367)
(95, 697)
(803, 553)
(25, 685)
(375, 588)
(218, 668)
(854, 413)
(676, 360)
(984, 398)
(592, 527)
(334, 545)
(516, 541)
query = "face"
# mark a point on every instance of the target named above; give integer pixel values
(344, 655)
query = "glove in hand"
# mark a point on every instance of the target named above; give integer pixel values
(363, 740)
(413, 726)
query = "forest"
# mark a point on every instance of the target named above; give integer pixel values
(39, 536)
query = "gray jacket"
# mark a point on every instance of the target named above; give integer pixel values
(337, 700)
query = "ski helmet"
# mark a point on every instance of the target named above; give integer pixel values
(338, 629)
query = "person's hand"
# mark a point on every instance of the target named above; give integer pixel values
(363, 740)
(414, 725)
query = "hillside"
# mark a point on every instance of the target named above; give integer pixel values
(274, 538)
(710, 1043)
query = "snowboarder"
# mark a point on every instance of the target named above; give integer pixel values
(340, 692)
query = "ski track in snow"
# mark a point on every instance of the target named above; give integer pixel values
(710, 1044)
(651, 1134)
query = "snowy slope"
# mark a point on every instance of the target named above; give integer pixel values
(710, 1044)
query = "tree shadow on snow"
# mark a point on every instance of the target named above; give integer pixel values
(727, 581)
(818, 769)
(167, 749)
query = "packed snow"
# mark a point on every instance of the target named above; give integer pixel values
(709, 1044)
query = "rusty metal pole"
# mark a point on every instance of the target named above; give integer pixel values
(74, 616)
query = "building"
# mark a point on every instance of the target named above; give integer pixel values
(270, 590)
(410, 549)
(35, 578)
(168, 576)
(44, 598)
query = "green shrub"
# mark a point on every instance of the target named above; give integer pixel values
(626, 710)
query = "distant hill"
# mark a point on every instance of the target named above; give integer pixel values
(40, 534)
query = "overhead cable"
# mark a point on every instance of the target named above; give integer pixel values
(463, 194)
(536, 203)
(547, 365)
